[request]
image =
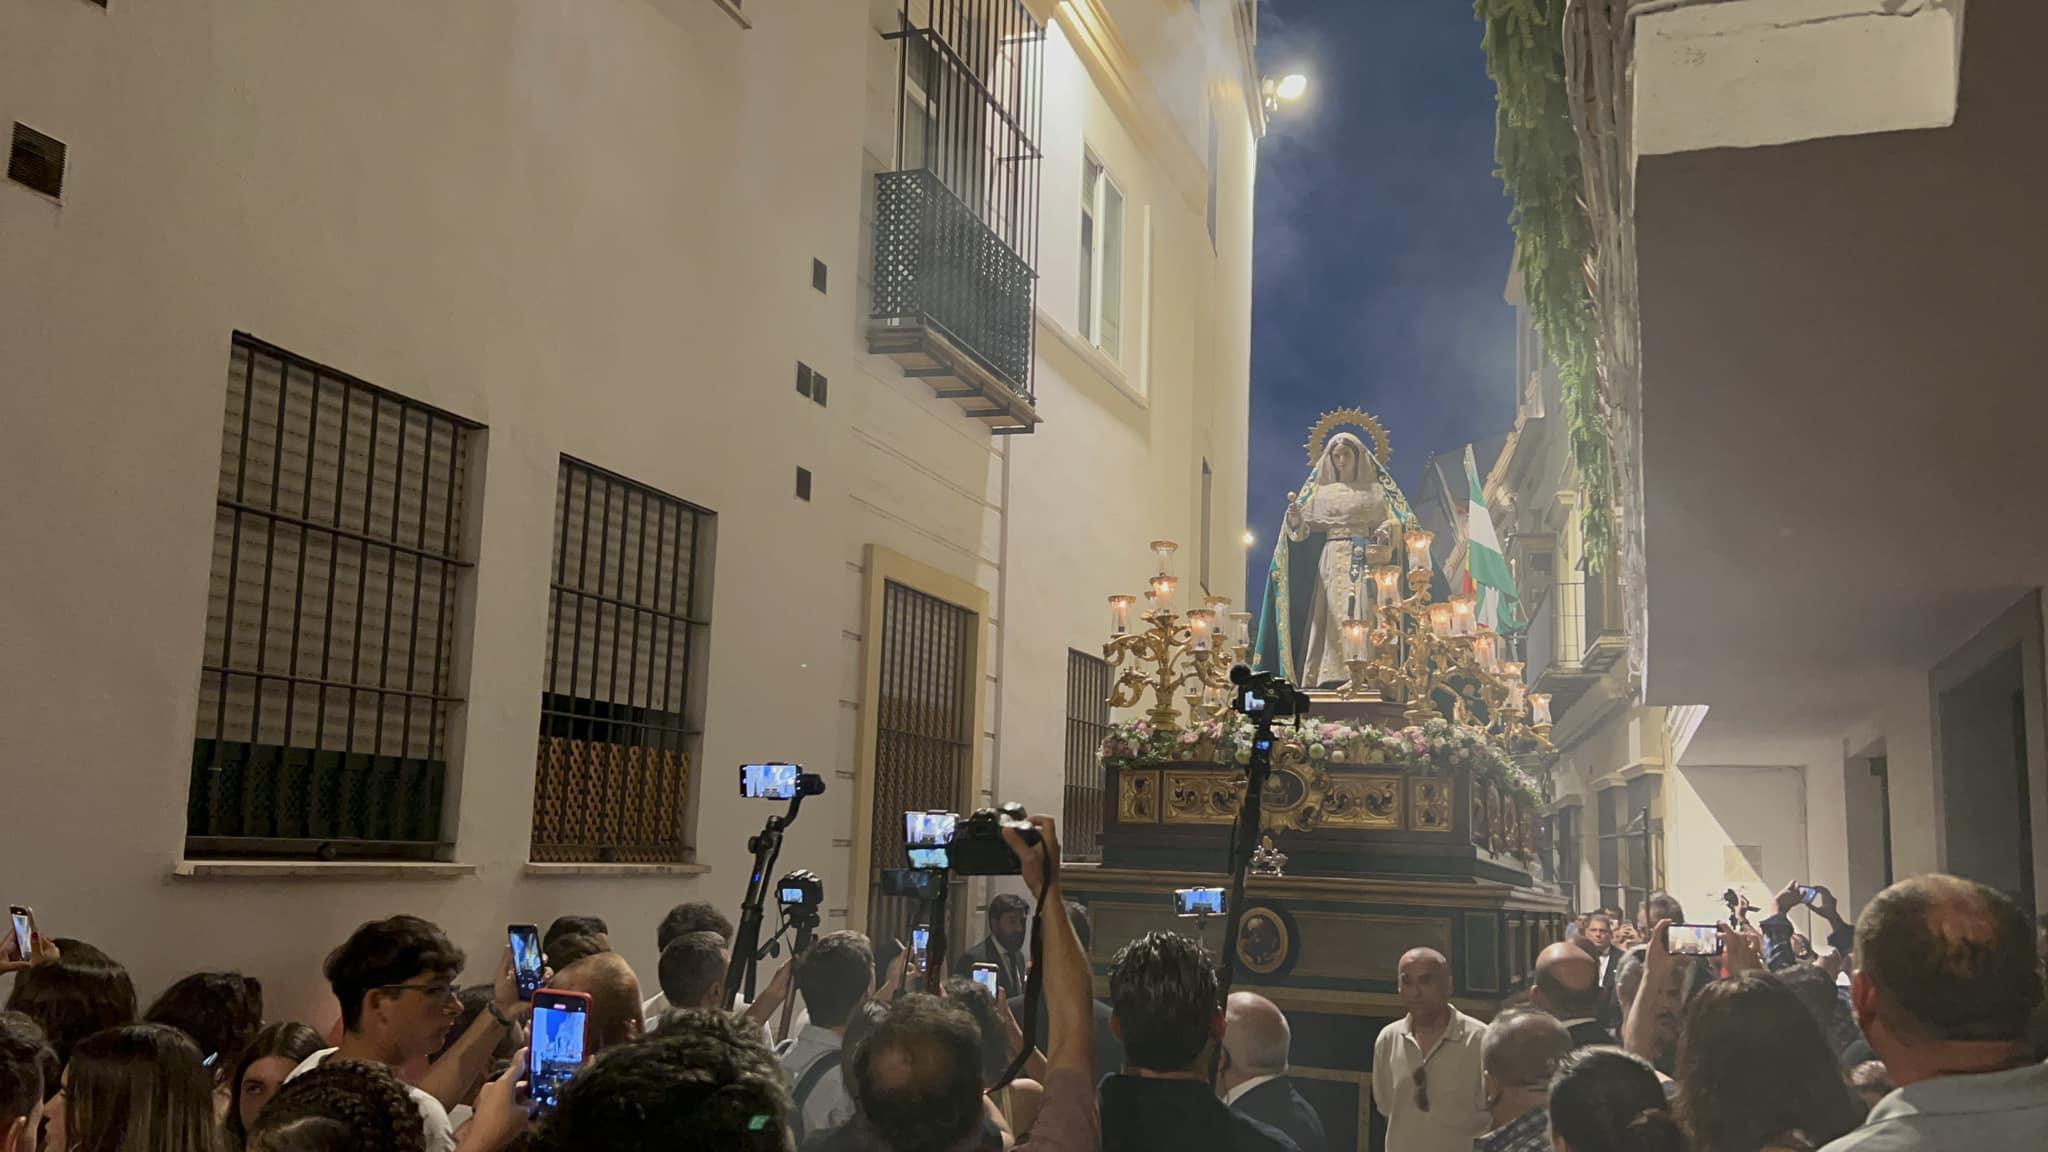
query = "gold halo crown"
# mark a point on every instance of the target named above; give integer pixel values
(1358, 418)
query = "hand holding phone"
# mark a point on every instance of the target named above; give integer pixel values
(560, 1021)
(526, 958)
(24, 921)
(985, 975)
(1808, 895)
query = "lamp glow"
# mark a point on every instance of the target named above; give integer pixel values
(1201, 626)
(1291, 86)
(1464, 616)
(1440, 619)
(1419, 540)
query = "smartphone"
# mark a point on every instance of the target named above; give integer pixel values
(555, 1051)
(24, 930)
(526, 958)
(929, 859)
(920, 946)
(910, 883)
(768, 781)
(928, 829)
(1809, 895)
(985, 975)
(1693, 940)
(1198, 902)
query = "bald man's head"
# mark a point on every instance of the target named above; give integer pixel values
(1522, 1047)
(1425, 982)
(615, 1016)
(1947, 960)
(1567, 982)
(1256, 1035)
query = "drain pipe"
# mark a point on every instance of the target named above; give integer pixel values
(995, 760)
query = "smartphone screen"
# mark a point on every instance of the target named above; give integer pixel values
(929, 858)
(1198, 901)
(526, 958)
(927, 829)
(556, 1051)
(985, 975)
(1694, 940)
(920, 942)
(24, 931)
(768, 781)
(1808, 895)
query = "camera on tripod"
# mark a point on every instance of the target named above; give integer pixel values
(969, 847)
(800, 892)
(1265, 696)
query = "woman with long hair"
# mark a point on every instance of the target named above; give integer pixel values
(341, 1106)
(218, 1011)
(135, 1088)
(82, 992)
(1606, 1100)
(1755, 1074)
(270, 1056)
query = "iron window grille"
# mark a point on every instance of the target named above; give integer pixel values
(956, 222)
(1087, 725)
(329, 680)
(924, 721)
(628, 624)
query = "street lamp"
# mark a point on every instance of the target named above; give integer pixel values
(1285, 90)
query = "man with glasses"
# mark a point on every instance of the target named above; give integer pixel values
(1426, 1077)
(396, 982)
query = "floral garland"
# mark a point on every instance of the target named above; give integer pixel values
(1438, 747)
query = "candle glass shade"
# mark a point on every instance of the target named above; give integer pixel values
(1512, 669)
(1464, 616)
(1243, 623)
(1419, 540)
(1440, 619)
(1357, 640)
(1486, 647)
(1539, 707)
(1163, 588)
(1120, 613)
(1201, 626)
(1164, 550)
(1386, 581)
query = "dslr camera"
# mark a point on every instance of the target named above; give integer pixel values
(1263, 697)
(800, 892)
(973, 845)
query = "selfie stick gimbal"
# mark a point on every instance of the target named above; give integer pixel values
(746, 944)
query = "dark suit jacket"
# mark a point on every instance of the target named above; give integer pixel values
(1141, 1114)
(986, 952)
(1610, 1003)
(1592, 1034)
(1277, 1104)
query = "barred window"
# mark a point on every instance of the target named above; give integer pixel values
(1087, 724)
(339, 564)
(628, 620)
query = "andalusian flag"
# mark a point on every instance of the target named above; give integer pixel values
(1486, 569)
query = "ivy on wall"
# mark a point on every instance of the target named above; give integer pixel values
(1537, 151)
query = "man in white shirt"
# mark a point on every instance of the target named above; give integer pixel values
(396, 982)
(835, 976)
(1427, 1077)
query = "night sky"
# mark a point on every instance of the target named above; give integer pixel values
(1382, 243)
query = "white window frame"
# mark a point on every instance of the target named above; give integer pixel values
(1104, 218)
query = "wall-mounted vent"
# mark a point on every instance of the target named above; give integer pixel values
(804, 377)
(819, 273)
(803, 484)
(37, 161)
(818, 388)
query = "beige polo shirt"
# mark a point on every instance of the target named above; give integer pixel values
(1457, 1098)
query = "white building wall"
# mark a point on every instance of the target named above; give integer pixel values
(589, 227)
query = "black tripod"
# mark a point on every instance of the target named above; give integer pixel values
(746, 944)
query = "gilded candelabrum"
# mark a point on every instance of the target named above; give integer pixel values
(1169, 652)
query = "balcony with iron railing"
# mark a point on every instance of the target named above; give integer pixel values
(956, 222)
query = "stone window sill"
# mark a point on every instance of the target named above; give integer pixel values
(320, 870)
(546, 871)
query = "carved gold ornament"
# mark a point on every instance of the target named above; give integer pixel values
(1382, 444)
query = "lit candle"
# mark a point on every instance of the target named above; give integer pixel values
(1357, 640)
(1120, 613)
(1439, 617)
(1511, 670)
(1163, 588)
(1464, 616)
(1486, 646)
(1243, 620)
(1164, 550)
(1387, 580)
(1419, 540)
(1539, 707)
(1201, 625)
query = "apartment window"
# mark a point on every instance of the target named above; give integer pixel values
(328, 680)
(1102, 259)
(1087, 724)
(1631, 844)
(628, 620)
(1208, 516)
(919, 127)
(924, 731)
(1564, 841)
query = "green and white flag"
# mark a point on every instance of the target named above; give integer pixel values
(1486, 570)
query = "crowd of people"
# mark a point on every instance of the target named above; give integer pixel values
(1918, 1028)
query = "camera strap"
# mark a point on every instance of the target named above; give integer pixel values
(1034, 984)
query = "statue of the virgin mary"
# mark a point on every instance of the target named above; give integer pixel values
(1321, 575)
